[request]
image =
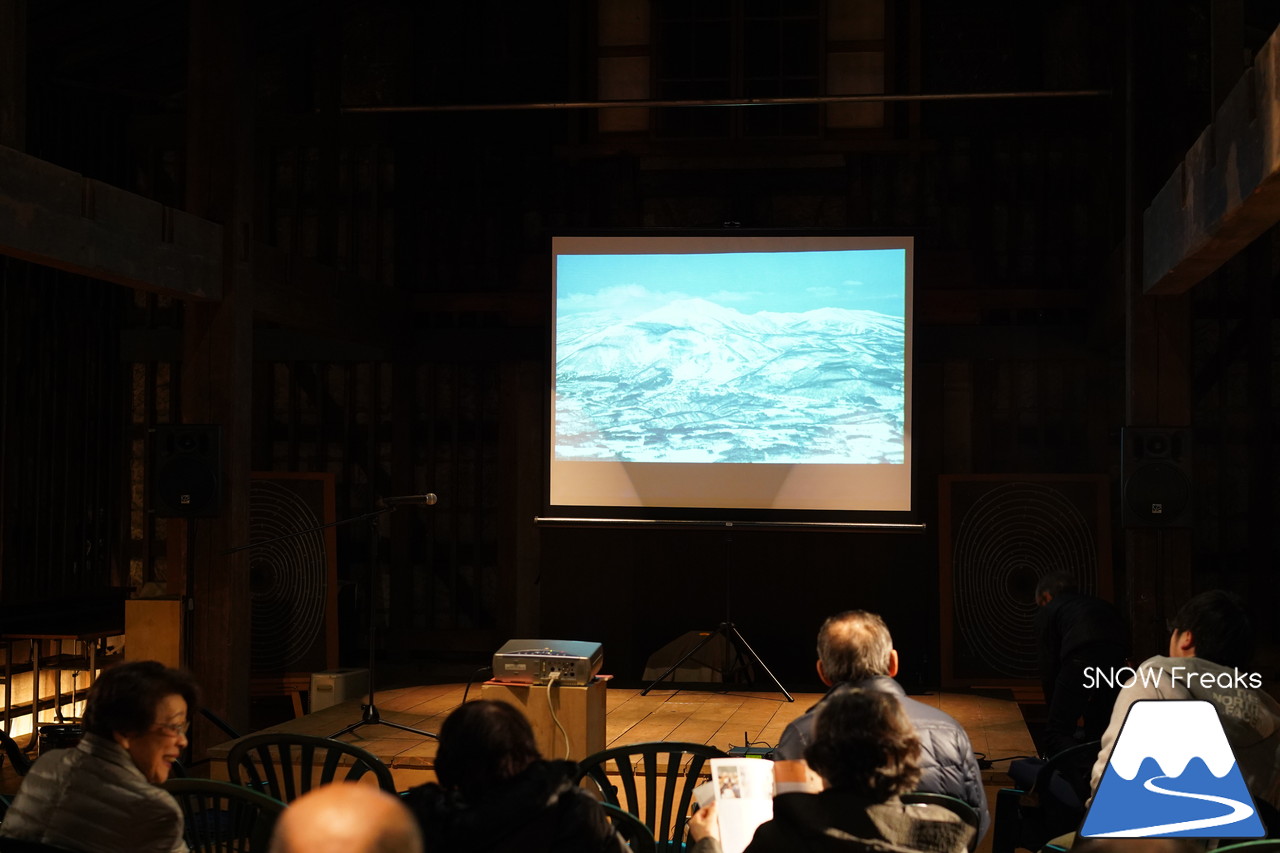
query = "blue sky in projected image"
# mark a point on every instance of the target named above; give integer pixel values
(628, 285)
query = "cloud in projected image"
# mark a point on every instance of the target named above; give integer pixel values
(629, 285)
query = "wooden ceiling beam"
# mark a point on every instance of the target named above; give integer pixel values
(57, 218)
(1226, 192)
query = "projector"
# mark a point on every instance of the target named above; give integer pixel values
(534, 661)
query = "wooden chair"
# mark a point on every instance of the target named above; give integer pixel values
(221, 817)
(964, 810)
(632, 829)
(286, 766)
(655, 781)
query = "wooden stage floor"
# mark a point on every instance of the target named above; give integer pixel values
(723, 719)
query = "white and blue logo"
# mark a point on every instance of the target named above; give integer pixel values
(1172, 774)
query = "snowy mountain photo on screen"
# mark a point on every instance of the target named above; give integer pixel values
(788, 358)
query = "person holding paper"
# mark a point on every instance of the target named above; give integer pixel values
(855, 649)
(867, 751)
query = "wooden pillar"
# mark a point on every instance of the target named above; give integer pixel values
(1157, 393)
(13, 74)
(217, 380)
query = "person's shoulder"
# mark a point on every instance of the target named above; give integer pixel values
(924, 715)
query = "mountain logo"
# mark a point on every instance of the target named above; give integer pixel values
(1172, 774)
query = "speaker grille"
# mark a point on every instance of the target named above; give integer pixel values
(1000, 536)
(186, 470)
(1156, 477)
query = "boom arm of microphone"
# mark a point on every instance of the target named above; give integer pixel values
(413, 500)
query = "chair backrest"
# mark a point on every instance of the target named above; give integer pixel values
(632, 829)
(654, 780)
(966, 812)
(17, 758)
(286, 766)
(220, 817)
(1259, 845)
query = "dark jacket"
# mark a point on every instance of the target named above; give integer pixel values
(1078, 627)
(947, 761)
(841, 821)
(539, 810)
(92, 798)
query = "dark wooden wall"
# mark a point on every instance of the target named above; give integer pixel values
(1020, 300)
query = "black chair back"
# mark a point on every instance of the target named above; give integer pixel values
(654, 780)
(221, 817)
(18, 759)
(632, 829)
(286, 766)
(14, 845)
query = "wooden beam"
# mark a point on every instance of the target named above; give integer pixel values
(1226, 192)
(217, 364)
(57, 218)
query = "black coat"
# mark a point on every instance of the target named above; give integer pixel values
(839, 821)
(539, 810)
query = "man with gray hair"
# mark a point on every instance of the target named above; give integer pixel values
(855, 648)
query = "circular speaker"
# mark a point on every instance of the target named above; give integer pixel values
(1158, 493)
(286, 577)
(1009, 538)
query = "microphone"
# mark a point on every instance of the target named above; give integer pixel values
(412, 500)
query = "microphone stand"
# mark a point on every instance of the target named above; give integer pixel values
(370, 715)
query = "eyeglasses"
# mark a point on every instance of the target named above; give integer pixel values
(174, 729)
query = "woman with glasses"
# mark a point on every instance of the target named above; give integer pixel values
(104, 794)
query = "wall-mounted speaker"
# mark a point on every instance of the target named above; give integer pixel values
(186, 470)
(1155, 477)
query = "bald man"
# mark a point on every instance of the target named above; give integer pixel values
(346, 817)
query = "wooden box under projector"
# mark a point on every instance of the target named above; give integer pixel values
(534, 661)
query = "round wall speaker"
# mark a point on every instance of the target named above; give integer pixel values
(1006, 537)
(287, 579)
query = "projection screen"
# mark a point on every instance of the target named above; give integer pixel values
(731, 371)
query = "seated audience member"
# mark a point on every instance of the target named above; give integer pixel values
(1210, 648)
(496, 793)
(868, 753)
(346, 817)
(855, 649)
(104, 794)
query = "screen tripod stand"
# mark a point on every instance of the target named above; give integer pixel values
(729, 632)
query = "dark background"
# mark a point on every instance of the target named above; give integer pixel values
(1034, 349)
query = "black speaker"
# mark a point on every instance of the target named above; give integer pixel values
(186, 470)
(1155, 477)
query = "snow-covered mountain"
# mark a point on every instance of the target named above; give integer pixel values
(698, 381)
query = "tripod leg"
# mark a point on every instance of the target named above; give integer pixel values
(693, 651)
(741, 641)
